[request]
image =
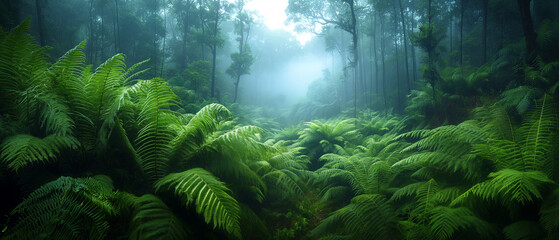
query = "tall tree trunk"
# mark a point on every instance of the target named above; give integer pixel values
(529, 33)
(374, 36)
(462, 32)
(238, 80)
(214, 46)
(355, 55)
(40, 22)
(382, 53)
(405, 44)
(396, 53)
(154, 15)
(164, 38)
(485, 9)
(450, 39)
(414, 59)
(117, 29)
(91, 40)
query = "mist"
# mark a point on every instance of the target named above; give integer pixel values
(279, 119)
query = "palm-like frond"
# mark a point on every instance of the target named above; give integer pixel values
(67, 208)
(425, 200)
(208, 194)
(155, 134)
(21, 150)
(549, 212)
(510, 187)
(154, 220)
(367, 217)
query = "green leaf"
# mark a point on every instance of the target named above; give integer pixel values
(208, 194)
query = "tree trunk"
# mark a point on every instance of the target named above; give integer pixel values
(91, 41)
(238, 80)
(450, 41)
(529, 33)
(382, 52)
(375, 55)
(40, 22)
(405, 45)
(485, 9)
(461, 32)
(214, 46)
(396, 53)
(414, 59)
(164, 38)
(355, 55)
(117, 29)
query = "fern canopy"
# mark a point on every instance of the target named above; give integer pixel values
(208, 194)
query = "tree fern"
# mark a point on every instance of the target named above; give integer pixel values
(67, 208)
(154, 220)
(208, 194)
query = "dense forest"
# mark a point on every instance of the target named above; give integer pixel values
(193, 119)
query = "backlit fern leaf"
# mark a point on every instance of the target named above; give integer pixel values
(208, 194)
(155, 134)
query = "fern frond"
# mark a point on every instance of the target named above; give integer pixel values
(447, 222)
(523, 230)
(510, 186)
(22, 150)
(549, 211)
(367, 217)
(154, 220)
(66, 208)
(425, 200)
(210, 196)
(155, 135)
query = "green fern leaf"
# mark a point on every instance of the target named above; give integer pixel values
(66, 208)
(367, 217)
(22, 150)
(154, 220)
(210, 196)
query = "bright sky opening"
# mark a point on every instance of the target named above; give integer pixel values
(273, 15)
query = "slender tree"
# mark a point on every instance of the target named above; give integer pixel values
(529, 33)
(242, 60)
(404, 30)
(40, 22)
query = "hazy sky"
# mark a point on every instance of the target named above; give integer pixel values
(273, 15)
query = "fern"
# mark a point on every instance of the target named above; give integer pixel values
(22, 150)
(155, 134)
(447, 222)
(154, 220)
(511, 187)
(367, 217)
(67, 208)
(208, 194)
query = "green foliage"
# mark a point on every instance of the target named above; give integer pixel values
(154, 220)
(511, 187)
(67, 208)
(155, 120)
(22, 150)
(447, 222)
(368, 216)
(210, 196)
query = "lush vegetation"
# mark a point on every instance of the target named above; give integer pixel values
(105, 151)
